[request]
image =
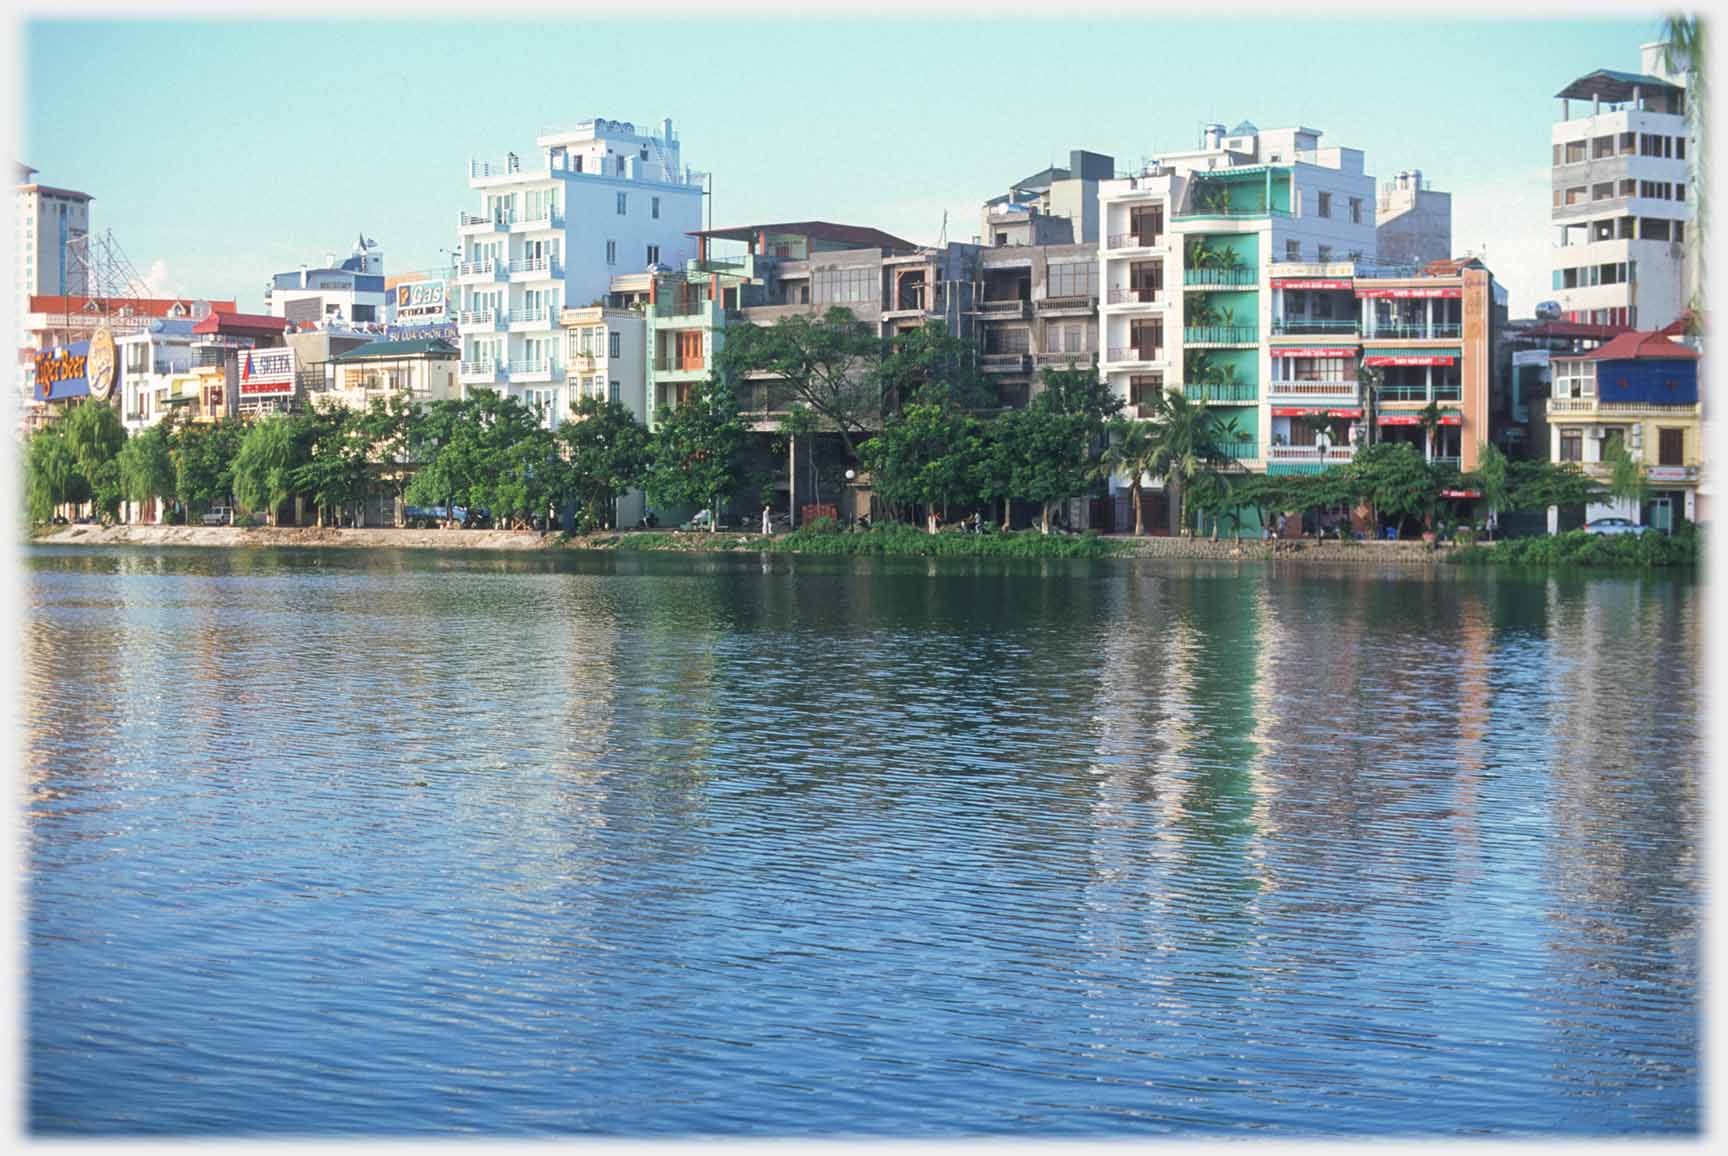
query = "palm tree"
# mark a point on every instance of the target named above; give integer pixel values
(1187, 445)
(1429, 417)
(1134, 451)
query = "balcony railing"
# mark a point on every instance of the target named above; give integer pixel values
(1014, 307)
(673, 363)
(1136, 353)
(518, 316)
(1451, 462)
(485, 268)
(530, 368)
(1221, 392)
(1331, 387)
(1077, 357)
(1590, 405)
(546, 220)
(1136, 294)
(1331, 455)
(531, 265)
(1220, 277)
(479, 369)
(477, 317)
(1073, 301)
(1407, 331)
(1007, 362)
(498, 222)
(1240, 451)
(1136, 240)
(1420, 393)
(681, 307)
(1229, 214)
(1300, 325)
(1221, 335)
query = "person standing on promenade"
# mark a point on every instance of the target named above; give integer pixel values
(764, 520)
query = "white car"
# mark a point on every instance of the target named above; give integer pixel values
(1616, 526)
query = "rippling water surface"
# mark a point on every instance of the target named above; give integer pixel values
(414, 843)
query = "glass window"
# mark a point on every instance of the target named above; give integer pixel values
(611, 252)
(1571, 445)
(613, 345)
(1325, 209)
(1292, 250)
(1355, 210)
(1574, 152)
(654, 208)
(615, 394)
(623, 204)
(1073, 279)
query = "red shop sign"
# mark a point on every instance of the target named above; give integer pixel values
(1460, 494)
(1422, 359)
(1343, 413)
(1310, 283)
(1451, 419)
(1407, 294)
(1301, 351)
(1399, 419)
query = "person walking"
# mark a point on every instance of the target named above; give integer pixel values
(764, 520)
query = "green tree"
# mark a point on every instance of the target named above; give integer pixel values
(1134, 452)
(830, 364)
(335, 472)
(486, 452)
(391, 426)
(1393, 479)
(930, 453)
(1490, 477)
(694, 451)
(1190, 441)
(95, 436)
(930, 356)
(204, 461)
(51, 474)
(607, 451)
(1627, 481)
(147, 466)
(1536, 485)
(271, 451)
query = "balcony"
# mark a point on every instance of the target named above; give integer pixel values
(479, 371)
(531, 370)
(1412, 331)
(478, 319)
(1005, 310)
(1133, 354)
(469, 223)
(672, 363)
(536, 266)
(485, 270)
(1338, 387)
(682, 307)
(527, 316)
(1221, 335)
(1240, 451)
(1446, 463)
(1007, 362)
(1058, 306)
(1211, 277)
(1137, 240)
(543, 221)
(1136, 295)
(1199, 213)
(1420, 393)
(1591, 407)
(1310, 455)
(1221, 392)
(1299, 326)
(1063, 360)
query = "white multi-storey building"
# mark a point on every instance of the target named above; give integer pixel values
(1623, 157)
(605, 199)
(1187, 243)
(351, 291)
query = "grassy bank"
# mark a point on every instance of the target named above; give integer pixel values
(890, 542)
(1578, 548)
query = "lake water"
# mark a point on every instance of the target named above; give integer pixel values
(417, 843)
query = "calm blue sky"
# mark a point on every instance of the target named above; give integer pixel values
(219, 153)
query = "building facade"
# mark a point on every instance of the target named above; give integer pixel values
(604, 199)
(352, 290)
(1623, 159)
(51, 222)
(1057, 206)
(1412, 222)
(1637, 393)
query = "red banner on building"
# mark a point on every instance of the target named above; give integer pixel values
(1460, 494)
(1451, 419)
(1311, 283)
(1302, 411)
(1405, 293)
(1399, 419)
(1305, 351)
(1371, 359)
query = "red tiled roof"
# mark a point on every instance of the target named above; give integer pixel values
(148, 306)
(223, 321)
(1639, 346)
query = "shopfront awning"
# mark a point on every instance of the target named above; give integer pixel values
(1313, 411)
(1409, 292)
(1313, 351)
(1372, 357)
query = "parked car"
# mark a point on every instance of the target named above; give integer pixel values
(1616, 526)
(701, 522)
(218, 516)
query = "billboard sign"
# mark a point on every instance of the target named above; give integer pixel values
(419, 300)
(267, 372)
(61, 373)
(1410, 293)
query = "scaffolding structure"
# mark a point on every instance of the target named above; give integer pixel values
(113, 292)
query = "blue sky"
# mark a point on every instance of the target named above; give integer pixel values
(221, 152)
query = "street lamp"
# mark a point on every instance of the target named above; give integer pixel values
(851, 497)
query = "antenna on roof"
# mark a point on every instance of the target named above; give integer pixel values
(942, 238)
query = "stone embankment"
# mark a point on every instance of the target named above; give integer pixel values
(387, 538)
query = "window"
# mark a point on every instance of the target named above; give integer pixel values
(1073, 279)
(1575, 195)
(1603, 191)
(654, 207)
(623, 204)
(1628, 143)
(1670, 447)
(1628, 188)
(1324, 252)
(840, 285)
(578, 159)
(1556, 154)
(613, 344)
(1292, 250)
(615, 393)
(1000, 340)
(1574, 152)
(1325, 204)
(1571, 445)
(1570, 377)
(653, 254)
(1653, 229)
(620, 166)
(611, 252)
(1355, 210)
(1679, 148)
(1602, 146)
